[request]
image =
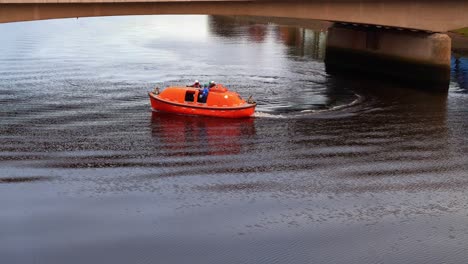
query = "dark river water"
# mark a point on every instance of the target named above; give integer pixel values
(329, 170)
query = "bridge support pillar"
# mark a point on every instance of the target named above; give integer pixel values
(417, 57)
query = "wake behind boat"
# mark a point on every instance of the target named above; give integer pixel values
(216, 101)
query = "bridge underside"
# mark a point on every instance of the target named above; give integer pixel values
(425, 15)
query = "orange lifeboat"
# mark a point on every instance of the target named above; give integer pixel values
(219, 102)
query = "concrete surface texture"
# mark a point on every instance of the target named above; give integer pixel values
(411, 56)
(426, 48)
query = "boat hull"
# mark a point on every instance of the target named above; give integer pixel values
(158, 104)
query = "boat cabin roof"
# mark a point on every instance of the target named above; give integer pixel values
(218, 96)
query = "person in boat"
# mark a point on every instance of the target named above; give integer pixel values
(195, 85)
(203, 94)
(212, 84)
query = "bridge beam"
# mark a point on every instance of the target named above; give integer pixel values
(418, 57)
(429, 15)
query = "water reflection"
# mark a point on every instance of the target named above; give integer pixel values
(25, 179)
(237, 27)
(224, 26)
(289, 60)
(396, 94)
(299, 41)
(303, 42)
(388, 105)
(133, 184)
(201, 135)
(257, 33)
(460, 71)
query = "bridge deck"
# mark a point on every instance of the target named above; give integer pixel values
(437, 16)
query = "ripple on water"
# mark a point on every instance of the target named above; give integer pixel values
(11, 180)
(327, 166)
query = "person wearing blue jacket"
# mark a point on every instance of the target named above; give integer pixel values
(203, 94)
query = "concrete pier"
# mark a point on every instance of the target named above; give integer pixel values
(419, 57)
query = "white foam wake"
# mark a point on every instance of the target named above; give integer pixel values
(337, 107)
(268, 115)
(309, 111)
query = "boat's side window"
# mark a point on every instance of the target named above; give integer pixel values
(189, 96)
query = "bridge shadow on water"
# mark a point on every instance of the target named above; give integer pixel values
(383, 100)
(384, 92)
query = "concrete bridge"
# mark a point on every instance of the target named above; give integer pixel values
(427, 15)
(401, 38)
